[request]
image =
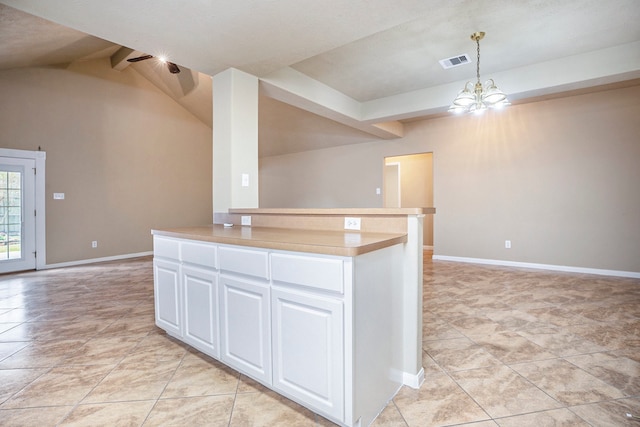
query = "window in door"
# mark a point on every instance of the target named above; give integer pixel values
(11, 204)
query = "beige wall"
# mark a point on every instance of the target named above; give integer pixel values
(559, 178)
(127, 157)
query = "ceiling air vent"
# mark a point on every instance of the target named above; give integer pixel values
(455, 61)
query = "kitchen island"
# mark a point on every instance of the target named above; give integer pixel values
(327, 317)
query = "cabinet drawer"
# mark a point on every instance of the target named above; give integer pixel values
(321, 273)
(244, 261)
(166, 248)
(199, 253)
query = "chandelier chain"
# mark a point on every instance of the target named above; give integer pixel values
(478, 62)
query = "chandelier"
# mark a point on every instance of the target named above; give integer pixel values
(478, 98)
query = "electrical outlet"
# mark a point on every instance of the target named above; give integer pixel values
(351, 223)
(507, 244)
(245, 220)
(94, 244)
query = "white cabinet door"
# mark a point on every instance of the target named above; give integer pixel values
(308, 350)
(168, 296)
(200, 293)
(245, 327)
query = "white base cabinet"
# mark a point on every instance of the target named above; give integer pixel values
(246, 327)
(308, 349)
(200, 294)
(324, 331)
(168, 296)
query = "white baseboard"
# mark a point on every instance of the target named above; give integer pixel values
(413, 380)
(94, 260)
(568, 269)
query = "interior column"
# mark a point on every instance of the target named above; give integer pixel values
(235, 140)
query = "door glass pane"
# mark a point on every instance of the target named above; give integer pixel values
(10, 215)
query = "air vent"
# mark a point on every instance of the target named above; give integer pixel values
(455, 61)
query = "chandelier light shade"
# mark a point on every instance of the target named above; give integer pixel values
(477, 98)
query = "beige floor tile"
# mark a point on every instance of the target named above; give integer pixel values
(19, 315)
(390, 417)
(439, 401)
(510, 347)
(248, 385)
(438, 329)
(429, 365)
(199, 375)
(611, 413)
(157, 348)
(474, 315)
(30, 417)
(133, 381)
(554, 418)
(109, 414)
(137, 326)
(9, 348)
(502, 392)
(489, 423)
(14, 380)
(559, 342)
(6, 326)
(513, 319)
(27, 331)
(269, 409)
(621, 372)
(210, 411)
(477, 326)
(608, 335)
(566, 382)
(65, 385)
(102, 351)
(38, 354)
(460, 354)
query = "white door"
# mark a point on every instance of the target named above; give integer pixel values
(17, 214)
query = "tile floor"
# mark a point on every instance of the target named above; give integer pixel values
(502, 347)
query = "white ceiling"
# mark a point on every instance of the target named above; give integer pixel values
(355, 62)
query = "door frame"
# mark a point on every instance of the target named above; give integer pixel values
(40, 198)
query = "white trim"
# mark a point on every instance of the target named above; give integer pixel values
(40, 199)
(413, 380)
(95, 260)
(569, 269)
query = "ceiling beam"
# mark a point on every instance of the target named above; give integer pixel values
(119, 58)
(605, 66)
(299, 90)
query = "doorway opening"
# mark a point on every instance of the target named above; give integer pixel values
(408, 183)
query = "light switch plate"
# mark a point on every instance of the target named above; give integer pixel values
(245, 220)
(58, 196)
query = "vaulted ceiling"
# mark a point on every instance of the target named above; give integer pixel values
(344, 66)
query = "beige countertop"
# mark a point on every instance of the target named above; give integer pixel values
(334, 211)
(342, 243)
